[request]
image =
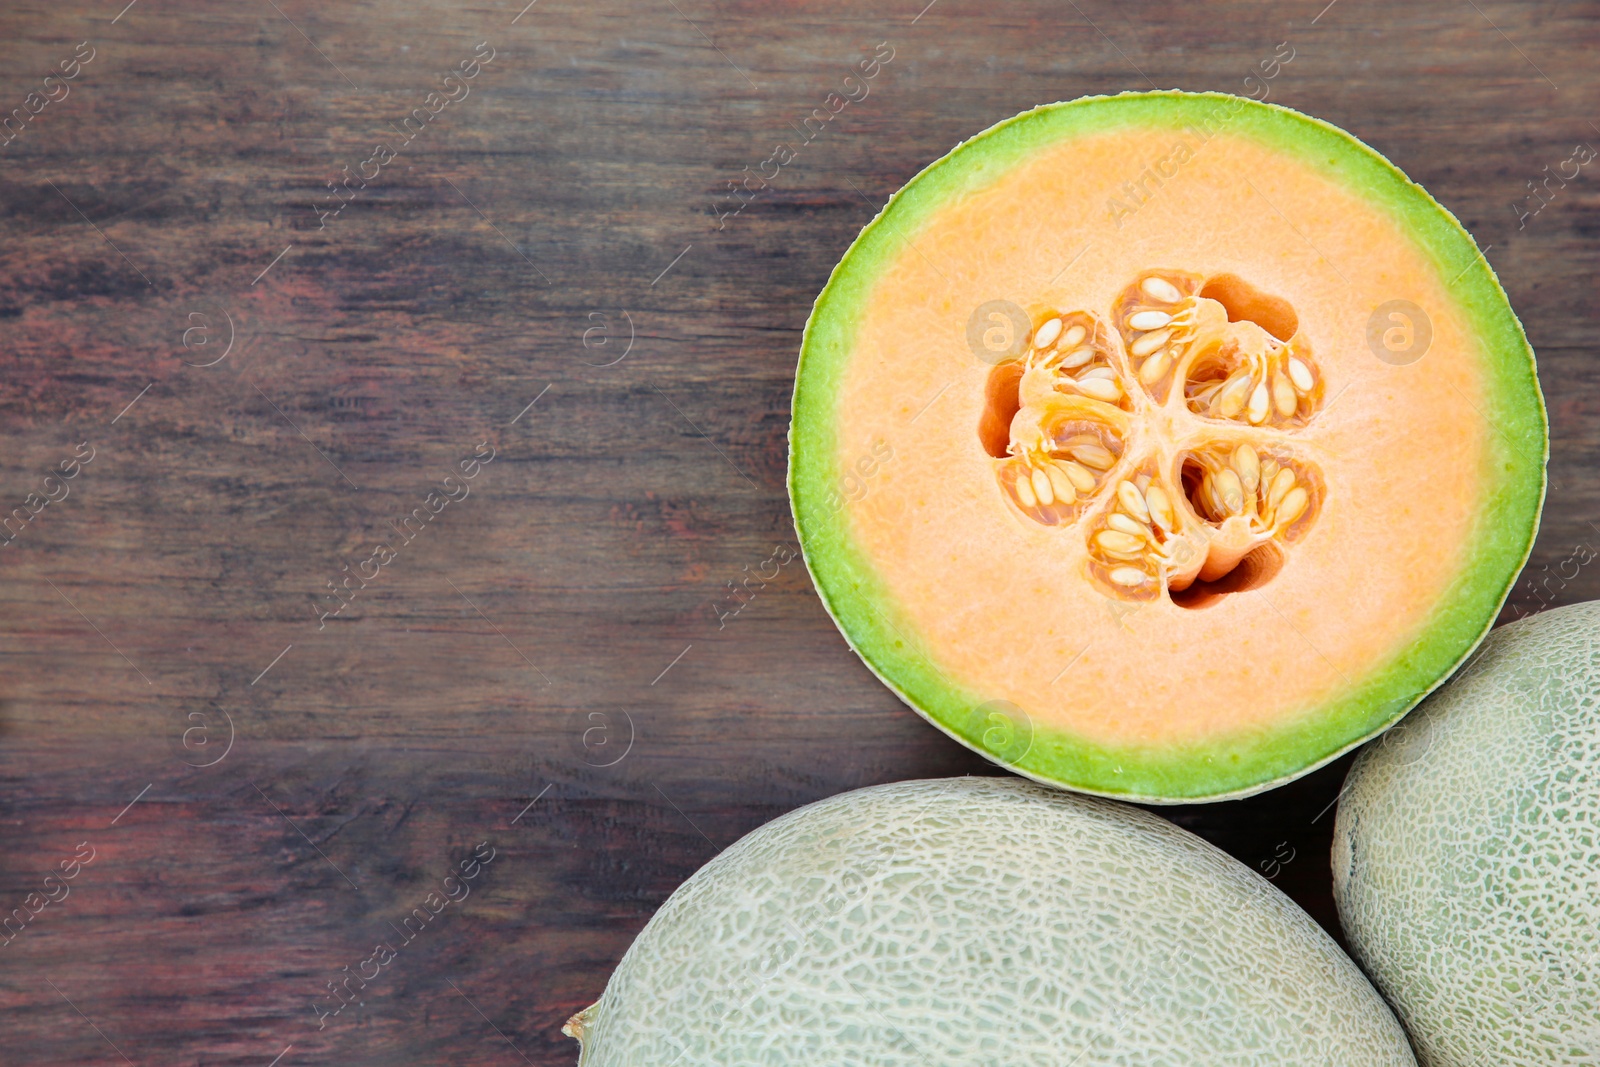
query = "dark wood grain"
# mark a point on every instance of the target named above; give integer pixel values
(503, 653)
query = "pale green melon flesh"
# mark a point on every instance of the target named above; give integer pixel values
(1467, 853)
(979, 921)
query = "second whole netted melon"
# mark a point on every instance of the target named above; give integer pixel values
(1466, 854)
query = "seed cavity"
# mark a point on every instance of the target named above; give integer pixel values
(1233, 368)
(1243, 302)
(1068, 429)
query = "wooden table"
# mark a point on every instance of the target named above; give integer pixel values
(535, 272)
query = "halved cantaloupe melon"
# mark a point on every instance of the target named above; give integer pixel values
(1165, 445)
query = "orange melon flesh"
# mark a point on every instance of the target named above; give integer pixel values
(1001, 628)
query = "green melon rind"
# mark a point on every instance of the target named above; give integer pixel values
(1250, 762)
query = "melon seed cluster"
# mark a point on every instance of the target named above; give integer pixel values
(1168, 437)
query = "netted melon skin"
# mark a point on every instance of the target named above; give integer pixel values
(1467, 853)
(983, 921)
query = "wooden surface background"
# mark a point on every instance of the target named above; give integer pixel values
(542, 667)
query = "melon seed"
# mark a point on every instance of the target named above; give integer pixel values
(1160, 507)
(1129, 497)
(1258, 404)
(1248, 465)
(1074, 334)
(1231, 400)
(1228, 491)
(1128, 576)
(1283, 397)
(1300, 374)
(1160, 289)
(1269, 471)
(1047, 334)
(1080, 477)
(1096, 456)
(1078, 356)
(1155, 368)
(1281, 484)
(1118, 521)
(1061, 485)
(1100, 389)
(1293, 504)
(1148, 320)
(1150, 342)
(1041, 487)
(1117, 541)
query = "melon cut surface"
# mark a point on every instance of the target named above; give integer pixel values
(1164, 446)
(971, 922)
(1466, 854)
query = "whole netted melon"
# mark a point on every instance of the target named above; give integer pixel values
(1467, 853)
(978, 921)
